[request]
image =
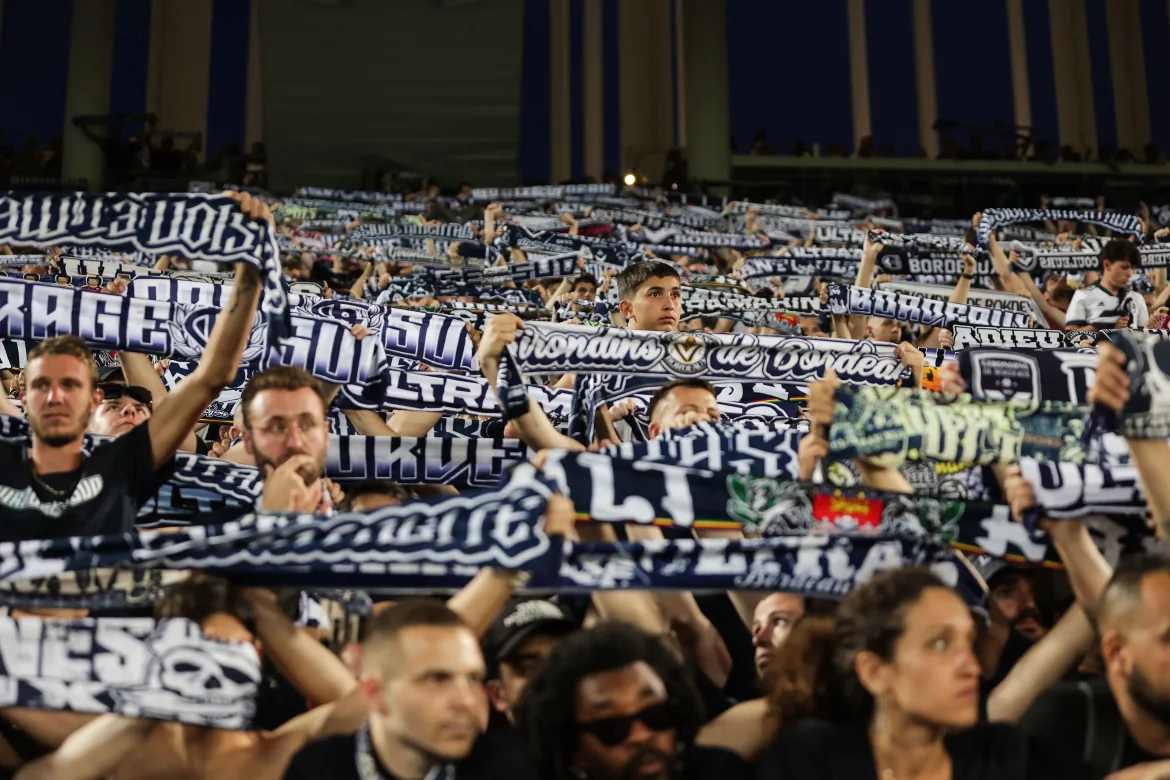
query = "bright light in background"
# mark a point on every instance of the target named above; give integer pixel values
(630, 180)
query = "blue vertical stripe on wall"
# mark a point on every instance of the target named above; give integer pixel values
(893, 96)
(788, 73)
(130, 61)
(1102, 71)
(1156, 48)
(1041, 72)
(535, 87)
(576, 89)
(611, 99)
(34, 58)
(227, 85)
(973, 68)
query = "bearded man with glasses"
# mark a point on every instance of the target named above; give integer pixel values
(286, 432)
(610, 703)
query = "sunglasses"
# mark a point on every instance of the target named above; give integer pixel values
(616, 730)
(113, 392)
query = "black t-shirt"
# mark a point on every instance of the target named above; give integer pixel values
(497, 755)
(707, 763)
(820, 750)
(1064, 715)
(100, 497)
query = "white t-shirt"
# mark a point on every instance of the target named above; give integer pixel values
(1096, 306)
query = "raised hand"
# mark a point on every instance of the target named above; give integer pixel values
(1111, 385)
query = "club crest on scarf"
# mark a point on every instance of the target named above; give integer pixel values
(349, 312)
(686, 355)
(190, 338)
(1005, 376)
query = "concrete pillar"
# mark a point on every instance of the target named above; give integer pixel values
(1072, 69)
(179, 65)
(91, 51)
(560, 91)
(593, 99)
(1127, 64)
(254, 102)
(1018, 51)
(647, 101)
(704, 61)
(859, 69)
(924, 76)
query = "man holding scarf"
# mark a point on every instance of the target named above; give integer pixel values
(651, 299)
(50, 489)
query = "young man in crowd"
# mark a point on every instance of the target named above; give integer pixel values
(650, 296)
(651, 299)
(570, 289)
(515, 646)
(1122, 719)
(610, 703)
(49, 489)
(1015, 620)
(422, 679)
(122, 408)
(680, 404)
(1110, 303)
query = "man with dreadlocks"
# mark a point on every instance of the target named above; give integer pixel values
(610, 703)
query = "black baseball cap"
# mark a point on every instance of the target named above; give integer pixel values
(520, 620)
(989, 567)
(111, 374)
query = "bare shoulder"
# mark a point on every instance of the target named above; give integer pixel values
(745, 729)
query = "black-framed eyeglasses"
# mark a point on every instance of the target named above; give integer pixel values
(114, 392)
(616, 730)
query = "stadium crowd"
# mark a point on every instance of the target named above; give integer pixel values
(582, 482)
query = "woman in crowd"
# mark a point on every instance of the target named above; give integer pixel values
(888, 688)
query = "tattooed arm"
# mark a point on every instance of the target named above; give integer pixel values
(221, 359)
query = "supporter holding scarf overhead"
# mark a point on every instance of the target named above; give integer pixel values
(1110, 303)
(51, 489)
(650, 298)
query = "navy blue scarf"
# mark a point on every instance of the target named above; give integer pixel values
(197, 227)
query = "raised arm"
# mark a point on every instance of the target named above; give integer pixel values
(1045, 664)
(91, 752)
(139, 371)
(481, 600)
(359, 286)
(869, 255)
(9, 408)
(929, 337)
(1150, 456)
(1054, 315)
(220, 361)
(306, 663)
(403, 422)
(534, 428)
